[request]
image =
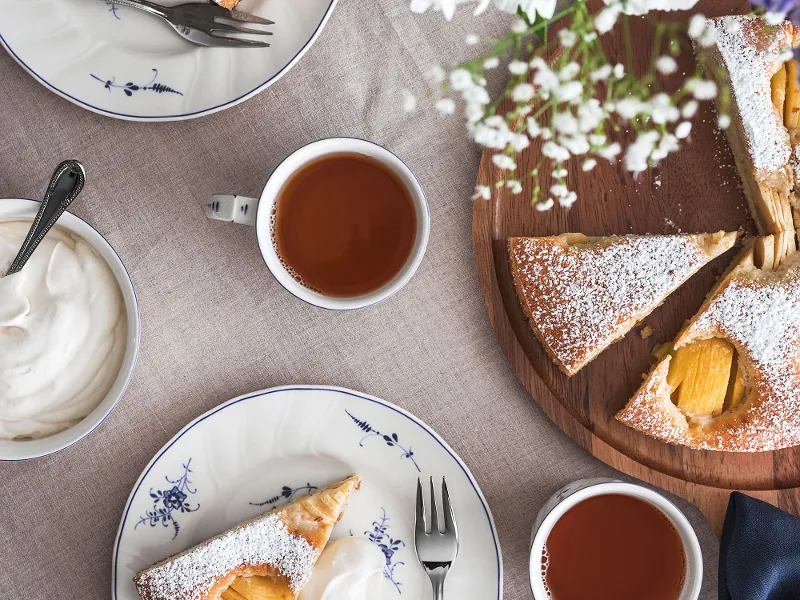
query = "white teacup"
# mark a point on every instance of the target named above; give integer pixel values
(258, 213)
(578, 491)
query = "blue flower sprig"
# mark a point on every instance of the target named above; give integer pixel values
(379, 535)
(392, 440)
(286, 493)
(171, 500)
(130, 87)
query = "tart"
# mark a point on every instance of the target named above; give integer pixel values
(731, 380)
(229, 4)
(748, 57)
(267, 558)
(581, 294)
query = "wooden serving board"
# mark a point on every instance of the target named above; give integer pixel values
(694, 190)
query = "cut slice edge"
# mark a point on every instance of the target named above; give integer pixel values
(711, 244)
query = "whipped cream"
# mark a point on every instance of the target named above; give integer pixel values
(350, 568)
(63, 332)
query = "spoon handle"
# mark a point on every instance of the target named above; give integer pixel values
(65, 185)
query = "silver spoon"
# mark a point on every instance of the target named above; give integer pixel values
(65, 185)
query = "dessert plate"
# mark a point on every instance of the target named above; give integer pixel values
(263, 449)
(123, 63)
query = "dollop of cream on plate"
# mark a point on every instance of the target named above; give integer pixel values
(350, 568)
(63, 332)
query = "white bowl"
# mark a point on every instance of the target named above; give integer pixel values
(578, 491)
(24, 449)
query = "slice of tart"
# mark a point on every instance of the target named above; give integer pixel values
(266, 558)
(731, 380)
(229, 4)
(748, 58)
(582, 294)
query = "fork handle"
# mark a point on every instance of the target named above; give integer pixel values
(145, 5)
(437, 576)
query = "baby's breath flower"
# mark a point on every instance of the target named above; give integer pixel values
(689, 109)
(547, 133)
(667, 144)
(559, 172)
(589, 164)
(519, 142)
(628, 108)
(683, 130)
(514, 185)
(565, 123)
(545, 78)
(491, 63)
(590, 115)
(774, 17)
(662, 109)
(576, 144)
(702, 89)
(568, 91)
(519, 26)
(569, 71)
(732, 24)
(697, 26)
(606, 19)
(518, 67)
(568, 38)
(435, 74)
(589, 37)
(610, 152)
(505, 162)
(619, 70)
(568, 200)
(472, 39)
(533, 128)
(724, 121)
(446, 106)
(461, 79)
(666, 65)
(476, 95)
(523, 92)
(484, 192)
(556, 152)
(601, 74)
(708, 38)
(546, 205)
(637, 155)
(785, 54)
(473, 112)
(597, 139)
(409, 101)
(559, 190)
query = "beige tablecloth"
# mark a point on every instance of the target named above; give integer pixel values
(216, 325)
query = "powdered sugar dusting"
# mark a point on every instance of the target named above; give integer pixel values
(751, 56)
(584, 297)
(263, 541)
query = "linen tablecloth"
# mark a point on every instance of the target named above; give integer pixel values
(215, 324)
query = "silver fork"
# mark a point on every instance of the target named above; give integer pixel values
(437, 548)
(206, 24)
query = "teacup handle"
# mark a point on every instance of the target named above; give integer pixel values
(232, 208)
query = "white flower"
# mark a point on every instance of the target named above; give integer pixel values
(697, 26)
(708, 38)
(610, 152)
(576, 144)
(484, 192)
(497, 121)
(491, 63)
(533, 128)
(546, 205)
(774, 18)
(785, 54)
(724, 121)
(628, 108)
(669, 143)
(559, 190)
(504, 161)
(597, 139)
(545, 78)
(565, 123)
(544, 8)
(518, 67)
(547, 133)
(409, 101)
(514, 185)
(569, 71)
(473, 112)
(662, 109)
(519, 142)
(537, 62)
(568, 200)
(519, 26)
(559, 173)
(702, 89)
(472, 39)
(435, 74)
(448, 7)
(590, 115)
(567, 37)
(732, 24)
(476, 95)
(601, 74)
(683, 130)
(605, 20)
(642, 7)
(689, 109)
(461, 79)
(589, 164)
(556, 152)
(619, 71)
(589, 37)
(638, 153)
(523, 92)
(666, 65)
(569, 91)
(446, 106)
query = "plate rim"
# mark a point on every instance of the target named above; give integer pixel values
(177, 117)
(315, 388)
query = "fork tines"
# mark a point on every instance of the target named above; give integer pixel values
(447, 512)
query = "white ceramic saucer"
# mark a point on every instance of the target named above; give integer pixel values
(263, 449)
(123, 63)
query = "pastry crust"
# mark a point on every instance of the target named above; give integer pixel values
(229, 4)
(283, 544)
(582, 294)
(745, 56)
(758, 311)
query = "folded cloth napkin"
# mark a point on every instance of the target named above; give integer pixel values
(759, 557)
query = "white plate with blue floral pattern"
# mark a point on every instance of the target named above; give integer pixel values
(263, 449)
(124, 63)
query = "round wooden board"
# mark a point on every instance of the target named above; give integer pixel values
(694, 190)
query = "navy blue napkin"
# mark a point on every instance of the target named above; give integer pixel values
(759, 557)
